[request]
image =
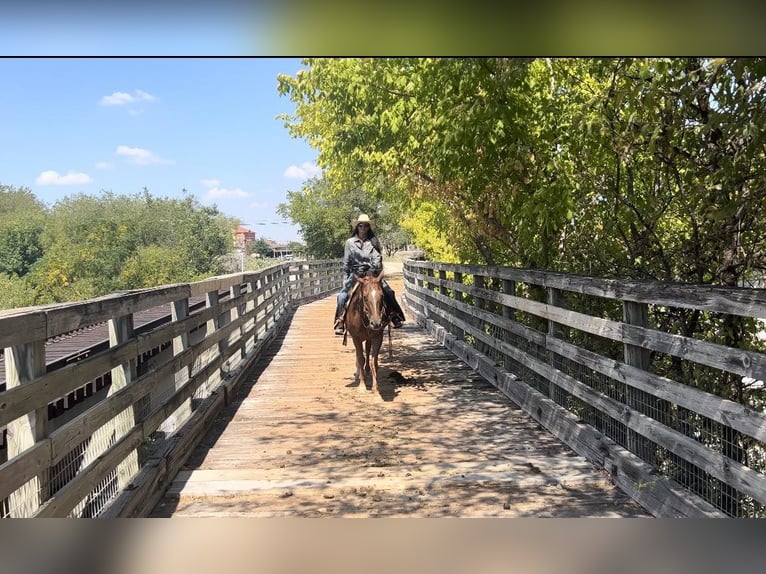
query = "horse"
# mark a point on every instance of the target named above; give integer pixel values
(366, 318)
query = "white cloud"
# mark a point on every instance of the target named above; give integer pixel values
(144, 96)
(215, 191)
(51, 177)
(122, 98)
(304, 171)
(104, 165)
(222, 192)
(139, 155)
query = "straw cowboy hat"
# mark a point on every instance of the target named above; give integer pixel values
(363, 218)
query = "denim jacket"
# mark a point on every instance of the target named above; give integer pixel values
(360, 256)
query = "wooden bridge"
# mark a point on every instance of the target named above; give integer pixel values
(237, 400)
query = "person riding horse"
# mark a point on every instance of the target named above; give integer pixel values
(362, 253)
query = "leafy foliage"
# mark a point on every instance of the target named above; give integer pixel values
(86, 246)
(22, 218)
(324, 214)
(617, 167)
(626, 167)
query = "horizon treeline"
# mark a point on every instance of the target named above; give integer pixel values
(86, 246)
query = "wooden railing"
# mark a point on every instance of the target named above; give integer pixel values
(101, 434)
(588, 359)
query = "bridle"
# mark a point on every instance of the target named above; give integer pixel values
(365, 315)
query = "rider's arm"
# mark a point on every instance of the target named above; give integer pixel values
(348, 260)
(376, 261)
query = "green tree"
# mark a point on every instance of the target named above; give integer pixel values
(94, 245)
(22, 219)
(324, 212)
(260, 247)
(154, 265)
(632, 167)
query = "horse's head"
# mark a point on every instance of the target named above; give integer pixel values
(372, 301)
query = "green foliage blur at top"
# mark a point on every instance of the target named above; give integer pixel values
(622, 167)
(88, 246)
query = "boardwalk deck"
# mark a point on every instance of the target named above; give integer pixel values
(301, 440)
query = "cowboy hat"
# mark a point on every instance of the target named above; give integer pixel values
(363, 218)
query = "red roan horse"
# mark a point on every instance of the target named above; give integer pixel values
(365, 320)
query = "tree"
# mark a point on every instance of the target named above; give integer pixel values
(460, 132)
(323, 215)
(260, 247)
(94, 245)
(22, 218)
(632, 167)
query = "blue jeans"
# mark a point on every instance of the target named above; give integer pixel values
(343, 295)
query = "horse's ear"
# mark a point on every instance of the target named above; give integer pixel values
(379, 277)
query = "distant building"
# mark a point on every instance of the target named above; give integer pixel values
(243, 236)
(280, 250)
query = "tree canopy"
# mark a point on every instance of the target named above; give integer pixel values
(630, 167)
(324, 215)
(85, 246)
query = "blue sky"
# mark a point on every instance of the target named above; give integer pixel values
(207, 125)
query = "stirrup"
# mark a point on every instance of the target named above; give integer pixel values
(340, 327)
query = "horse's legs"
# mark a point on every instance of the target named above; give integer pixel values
(366, 356)
(372, 359)
(360, 378)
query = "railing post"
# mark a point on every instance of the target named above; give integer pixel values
(509, 314)
(443, 288)
(213, 352)
(179, 310)
(24, 363)
(509, 288)
(457, 295)
(121, 331)
(556, 298)
(235, 291)
(635, 314)
(479, 282)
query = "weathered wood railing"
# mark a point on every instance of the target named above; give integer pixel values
(587, 359)
(159, 386)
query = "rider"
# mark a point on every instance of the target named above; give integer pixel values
(362, 253)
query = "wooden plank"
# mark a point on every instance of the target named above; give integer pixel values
(21, 326)
(72, 316)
